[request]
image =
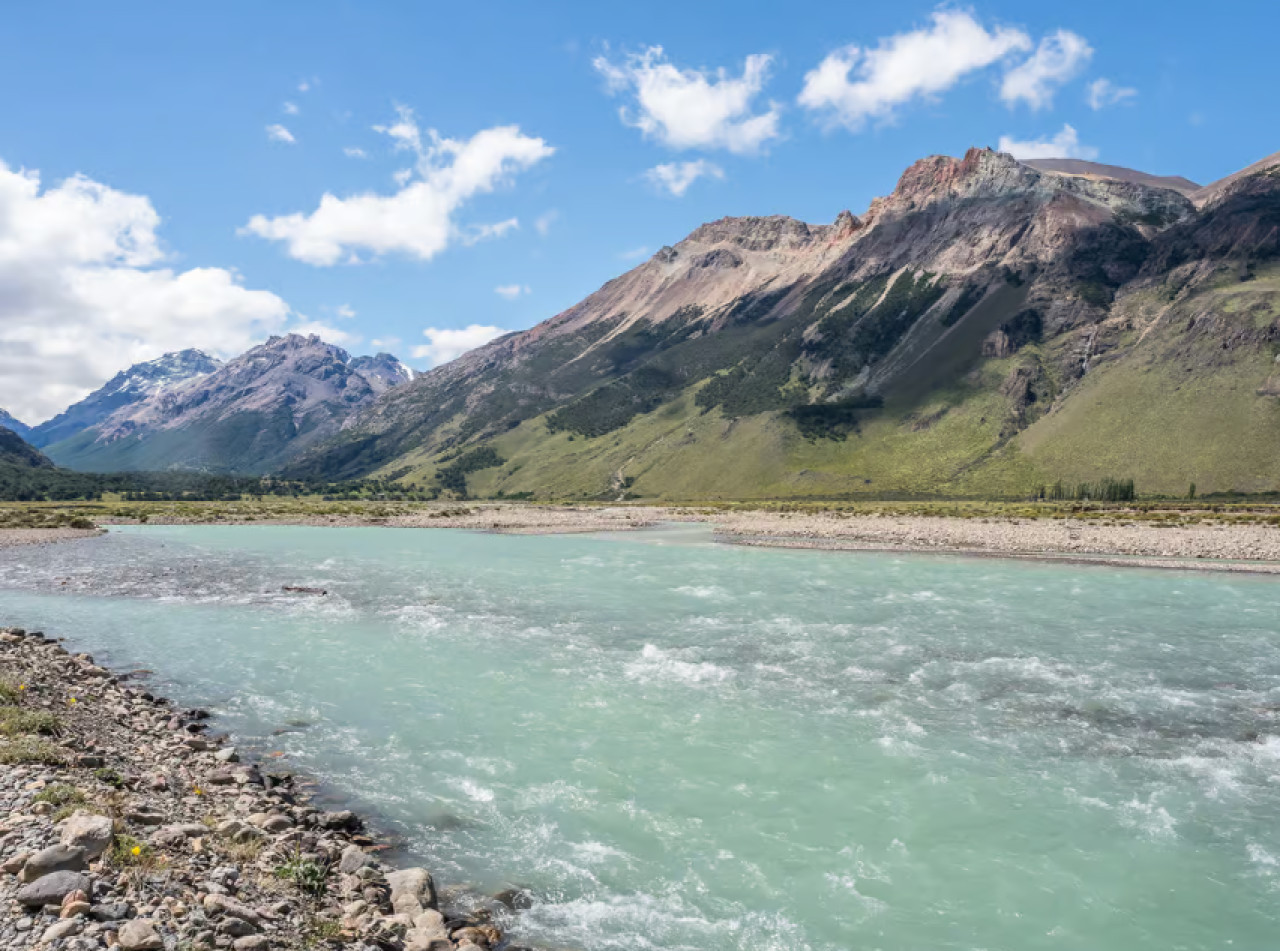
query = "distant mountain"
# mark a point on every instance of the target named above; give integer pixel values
(249, 415)
(14, 425)
(989, 327)
(1184, 186)
(128, 388)
(15, 452)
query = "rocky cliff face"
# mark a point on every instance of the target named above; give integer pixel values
(130, 387)
(15, 452)
(247, 415)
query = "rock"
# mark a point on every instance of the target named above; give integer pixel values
(253, 942)
(196, 743)
(276, 824)
(75, 909)
(63, 929)
(110, 911)
(179, 833)
(227, 754)
(236, 927)
(13, 864)
(144, 816)
(139, 935)
(88, 831)
(416, 882)
(220, 906)
(354, 858)
(340, 821)
(414, 940)
(56, 858)
(52, 888)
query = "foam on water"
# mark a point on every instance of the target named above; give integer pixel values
(676, 745)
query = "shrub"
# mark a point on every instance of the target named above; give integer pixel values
(59, 794)
(29, 750)
(15, 721)
(308, 876)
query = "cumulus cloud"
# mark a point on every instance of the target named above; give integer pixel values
(448, 343)
(290, 108)
(352, 151)
(84, 292)
(512, 291)
(345, 311)
(676, 177)
(1057, 59)
(419, 219)
(1066, 144)
(853, 84)
(278, 133)
(693, 108)
(1103, 92)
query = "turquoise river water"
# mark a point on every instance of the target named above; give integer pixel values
(682, 745)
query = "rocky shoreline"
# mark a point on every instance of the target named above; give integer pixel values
(124, 823)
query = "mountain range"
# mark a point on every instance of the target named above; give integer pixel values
(190, 411)
(989, 327)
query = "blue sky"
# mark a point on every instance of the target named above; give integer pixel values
(194, 223)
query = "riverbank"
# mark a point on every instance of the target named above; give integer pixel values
(13, 537)
(1225, 538)
(125, 823)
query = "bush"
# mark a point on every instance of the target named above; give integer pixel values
(30, 750)
(308, 876)
(15, 721)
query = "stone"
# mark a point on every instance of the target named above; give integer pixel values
(52, 888)
(197, 743)
(431, 920)
(416, 882)
(88, 831)
(63, 929)
(13, 864)
(236, 927)
(277, 824)
(74, 909)
(144, 816)
(353, 859)
(253, 942)
(179, 833)
(415, 940)
(56, 858)
(340, 821)
(139, 935)
(220, 905)
(227, 754)
(406, 903)
(110, 911)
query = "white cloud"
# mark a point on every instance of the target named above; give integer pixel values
(84, 293)
(290, 108)
(327, 332)
(345, 311)
(692, 108)
(512, 291)
(913, 65)
(634, 254)
(544, 222)
(448, 343)
(1058, 58)
(278, 133)
(304, 86)
(419, 219)
(352, 152)
(389, 344)
(1066, 144)
(1103, 92)
(676, 177)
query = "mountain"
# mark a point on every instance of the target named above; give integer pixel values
(128, 388)
(1183, 186)
(14, 425)
(989, 327)
(1202, 196)
(15, 452)
(248, 415)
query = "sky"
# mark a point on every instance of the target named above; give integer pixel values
(418, 177)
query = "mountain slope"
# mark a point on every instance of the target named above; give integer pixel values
(949, 340)
(127, 388)
(1213, 190)
(14, 425)
(15, 452)
(249, 415)
(1183, 186)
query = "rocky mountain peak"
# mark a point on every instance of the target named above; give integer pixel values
(13, 424)
(757, 233)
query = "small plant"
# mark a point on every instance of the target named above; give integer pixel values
(59, 794)
(129, 852)
(109, 776)
(243, 853)
(29, 750)
(308, 876)
(15, 721)
(317, 931)
(10, 693)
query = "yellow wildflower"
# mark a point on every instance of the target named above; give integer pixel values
(137, 850)
(72, 700)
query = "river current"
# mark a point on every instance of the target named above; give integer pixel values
(676, 744)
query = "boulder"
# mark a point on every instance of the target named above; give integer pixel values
(253, 942)
(63, 929)
(13, 864)
(110, 911)
(236, 927)
(52, 888)
(88, 831)
(343, 820)
(353, 859)
(216, 906)
(56, 858)
(139, 935)
(416, 882)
